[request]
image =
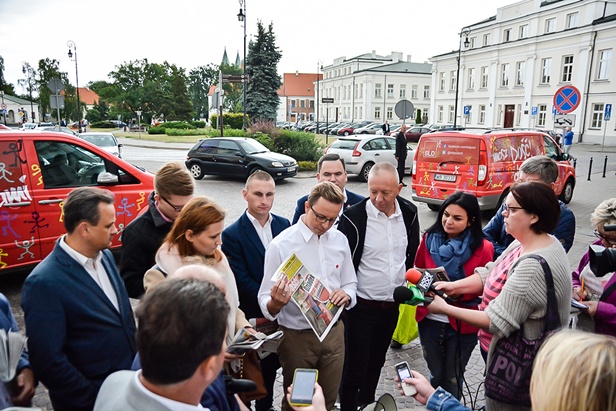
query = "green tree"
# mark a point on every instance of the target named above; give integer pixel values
(262, 67)
(233, 91)
(418, 117)
(4, 86)
(200, 79)
(48, 69)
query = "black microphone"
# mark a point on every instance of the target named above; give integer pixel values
(425, 282)
(235, 385)
(413, 296)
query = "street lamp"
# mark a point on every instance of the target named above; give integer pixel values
(71, 46)
(27, 69)
(241, 17)
(464, 32)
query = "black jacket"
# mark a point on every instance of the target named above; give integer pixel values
(353, 222)
(401, 150)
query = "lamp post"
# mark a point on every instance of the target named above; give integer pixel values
(27, 69)
(241, 17)
(71, 46)
(464, 32)
(3, 109)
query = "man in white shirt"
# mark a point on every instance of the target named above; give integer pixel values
(383, 234)
(181, 342)
(326, 255)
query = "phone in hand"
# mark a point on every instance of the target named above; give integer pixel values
(403, 370)
(303, 386)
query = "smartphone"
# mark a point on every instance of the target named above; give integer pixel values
(403, 370)
(303, 386)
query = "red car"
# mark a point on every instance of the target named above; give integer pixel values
(345, 131)
(414, 133)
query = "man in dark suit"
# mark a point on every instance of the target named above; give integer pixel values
(385, 127)
(79, 321)
(330, 168)
(244, 243)
(401, 152)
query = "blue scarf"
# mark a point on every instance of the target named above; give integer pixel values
(450, 253)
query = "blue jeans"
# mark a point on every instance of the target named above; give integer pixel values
(447, 352)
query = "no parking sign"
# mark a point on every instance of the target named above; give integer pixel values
(567, 99)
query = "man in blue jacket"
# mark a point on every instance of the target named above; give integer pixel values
(537, 168)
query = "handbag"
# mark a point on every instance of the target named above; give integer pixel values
(250, 369)
(510, 367)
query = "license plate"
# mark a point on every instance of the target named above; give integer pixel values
(445, 177)
(291, 169)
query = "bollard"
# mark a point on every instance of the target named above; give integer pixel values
(604, 166)
(589, 169)
(575, 163)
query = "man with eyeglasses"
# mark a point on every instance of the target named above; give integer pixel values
(383, 232)
(331, 168)
(537, 168)
(173, 188)
(325, 254)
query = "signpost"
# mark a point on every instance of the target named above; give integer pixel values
(4, 106)
(139, 122)
(328, 101)
(404, 109)
(56, 86)
(564, 120)
(606, 117)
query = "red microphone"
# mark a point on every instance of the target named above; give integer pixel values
(425, 281)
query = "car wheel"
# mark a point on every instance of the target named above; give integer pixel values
(196, 171)
(253, 169)
(567, 194)
(363, 175)
(346, 133)
(434, 207)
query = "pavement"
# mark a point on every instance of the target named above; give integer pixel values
(591, 188)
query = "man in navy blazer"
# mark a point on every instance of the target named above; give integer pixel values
(331, 168)
(244, 243)
(78, 317)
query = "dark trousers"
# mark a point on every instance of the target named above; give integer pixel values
(269, 368)
(368, 333)
(401, 162)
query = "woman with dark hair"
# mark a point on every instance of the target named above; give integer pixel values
(455, 241)
(514, 287)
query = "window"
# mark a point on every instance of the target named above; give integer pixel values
(603, 70)
(471, 42)
(567, 69)
(486, 39)
(505, 75)
(546, 64)
(377, 113)
(499, 114)
(302, 103)
(390, 113)
(550, 25)
(597, 116)
(470, 84)
(523, 31)
(414, 92)
(402, 90)
(519, 73)
(571, 21)
(518, 114)
(377, 90)
(361, 90)
(507, 35)
(311, 103)
(452, 76)
(293, 103)
(543, 113)
(450, 114)
(484, 77)
(440, 114)
(356, 91)
(66, 165)
(441, 86)
(426, 92)
(482, 114)
(390, 90)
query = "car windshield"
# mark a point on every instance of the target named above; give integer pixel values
(344, 144)
(100, 140)
(252, 146)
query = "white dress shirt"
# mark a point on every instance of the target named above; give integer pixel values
(327, 257)
(382, 266)
(94, 267)
(171, 404)
(264, 232)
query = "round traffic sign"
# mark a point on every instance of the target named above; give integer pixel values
(404, 109)
(567, 99)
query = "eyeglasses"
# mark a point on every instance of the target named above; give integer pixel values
(322, 219)
(610, 241)
(507, 208)
(177, 209)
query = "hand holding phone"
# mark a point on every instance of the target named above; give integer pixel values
(404, 371)
(303, 387)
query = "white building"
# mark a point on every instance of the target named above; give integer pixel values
(367, 87)
(517, 60)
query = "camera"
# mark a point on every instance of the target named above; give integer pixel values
(603, 260)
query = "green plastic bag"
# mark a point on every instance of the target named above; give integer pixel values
(406, 330)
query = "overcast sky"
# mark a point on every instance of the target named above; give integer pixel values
(191, 33)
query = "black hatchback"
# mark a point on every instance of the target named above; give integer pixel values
(237, 157)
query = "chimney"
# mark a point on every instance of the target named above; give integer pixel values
(408, 58)
(373, 54)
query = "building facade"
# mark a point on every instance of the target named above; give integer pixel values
(297, 97)
(516, 62)
(367, 87)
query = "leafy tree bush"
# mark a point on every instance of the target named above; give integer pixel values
(307, 165)
(198, 124)
(104, 124)
(418, 117)
(185, 132)
(297, 144)
(233, 120)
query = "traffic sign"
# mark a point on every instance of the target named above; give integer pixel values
(55, 85)
(534, 110)
(608, 112)
(567, 99)
(404, 109)
(327, 100)
(564, 120)
(467, 110)
(3, 106)
(234, 78)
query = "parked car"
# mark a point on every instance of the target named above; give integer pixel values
(118, 123)
(229, 156)
(60, 129)
(369, 129)
(414, 133)
(106, 141)
(360, 153)
(348, 129)
(3, 127)
(482, 163)
(44, 167)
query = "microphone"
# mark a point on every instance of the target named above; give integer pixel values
(425, 281)
(410, 296)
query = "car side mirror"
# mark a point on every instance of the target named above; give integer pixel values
(106, 178)
(565, 156)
